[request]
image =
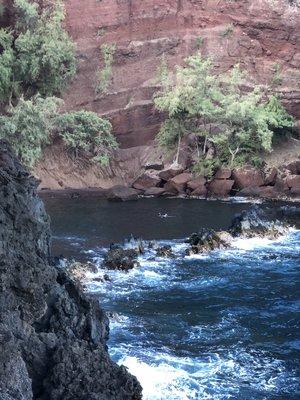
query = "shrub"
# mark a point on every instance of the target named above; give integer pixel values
(86, 134)
(28, 127)
(104, 75)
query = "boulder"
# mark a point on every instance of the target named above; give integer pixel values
(171, 171)
(122, 193)
(223, 173)
(247, 177)
(293, 181)
(271, 176)
(146, 181)
(154, 191)
(179, 182)
(196, 183)
(220, 187)
(121, 259)
(201, 191)
(294, 167)
(268, 192)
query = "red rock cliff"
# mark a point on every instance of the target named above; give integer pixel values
(265, 33)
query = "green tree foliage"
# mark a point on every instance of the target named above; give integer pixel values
(37, 55)
(28, 127)
(191, 99)
(195, 100)
(249, 119)
(84, 133)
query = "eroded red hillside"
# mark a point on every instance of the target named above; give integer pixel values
(265, 33)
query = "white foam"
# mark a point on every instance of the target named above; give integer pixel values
(161, 381)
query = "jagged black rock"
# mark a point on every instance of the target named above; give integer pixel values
(52, 336)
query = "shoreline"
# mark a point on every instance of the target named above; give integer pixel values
(103, 194)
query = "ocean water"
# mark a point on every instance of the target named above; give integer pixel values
(224, 325)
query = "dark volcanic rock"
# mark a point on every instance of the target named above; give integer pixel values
(119, 258)
(257, 222)
(207, 240)
(52, 335)
(122, 193)
(164, 251)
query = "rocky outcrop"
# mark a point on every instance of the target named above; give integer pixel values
(52, 336)
(207, 240)
(121, 259)
(257, 222)
(122, 193)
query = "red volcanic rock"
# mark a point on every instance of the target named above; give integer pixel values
(271, 176)
(196, 183)
(154, 191)
(179, 182)
(294, 167)
(268, 192)
(122, 193)
(247, 177)
(200, 191)
(146, 181)
(169, 173)
(220, 187)
(223, 173)
(293, 182)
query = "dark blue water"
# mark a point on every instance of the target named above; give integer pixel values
(219, 326)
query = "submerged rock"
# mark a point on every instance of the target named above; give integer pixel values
(121, 259)
(257, 222)
(165, 251)
(122, 193)
(52, 335)
(207, 240)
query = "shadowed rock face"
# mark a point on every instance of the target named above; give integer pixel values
(52, 336)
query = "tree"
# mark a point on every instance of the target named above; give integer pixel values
(85, 133)
(28, 127)
(249, 118)
(37, 54)
(190, 99)
(195, 100)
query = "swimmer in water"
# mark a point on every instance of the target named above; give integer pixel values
(163, 215)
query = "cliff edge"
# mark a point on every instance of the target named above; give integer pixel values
(52, 336)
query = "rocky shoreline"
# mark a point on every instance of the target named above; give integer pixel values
(52, 335)
(174, 181)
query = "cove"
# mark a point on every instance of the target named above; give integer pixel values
(216, 326)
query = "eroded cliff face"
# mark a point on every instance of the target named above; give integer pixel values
(265, 33)
(52, 336)
(261, 35)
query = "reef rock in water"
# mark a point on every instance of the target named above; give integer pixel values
(52, 336)
(257, 222)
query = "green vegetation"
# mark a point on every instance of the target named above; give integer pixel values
(37, 54)
(277, 79)
(37, 60)
(104, 74)
(238, 123)
(84, 133)
(28, 126)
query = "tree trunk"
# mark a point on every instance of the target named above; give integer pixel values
(178, 149)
